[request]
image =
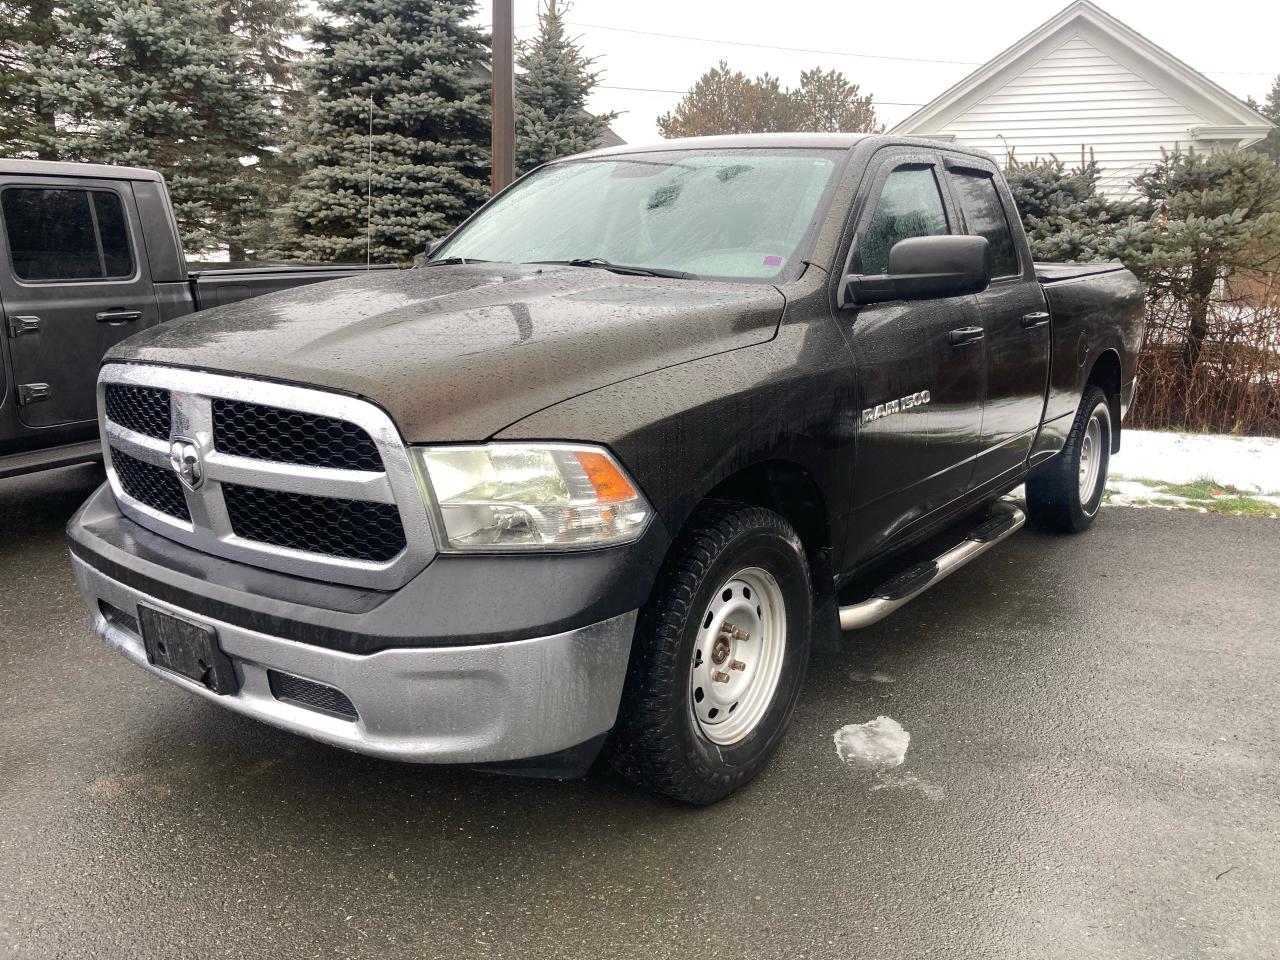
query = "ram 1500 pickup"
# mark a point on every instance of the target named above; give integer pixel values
(90, 254)
(592, 477)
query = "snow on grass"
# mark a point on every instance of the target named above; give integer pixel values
(1200, 472)
(1247, 463)
(879, 744)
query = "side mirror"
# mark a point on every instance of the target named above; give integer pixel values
(926, 268)
(427, 254)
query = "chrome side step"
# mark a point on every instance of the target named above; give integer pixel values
(1006, 519)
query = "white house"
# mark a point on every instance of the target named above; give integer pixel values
(1084, 83)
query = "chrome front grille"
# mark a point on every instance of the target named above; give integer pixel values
(143, 409)
(287, 436)
(353, 529)
(294, 479)
(158, 488)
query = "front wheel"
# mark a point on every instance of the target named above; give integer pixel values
(1065, 493)
(718, 658)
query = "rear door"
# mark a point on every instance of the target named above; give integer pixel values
(73, 281)
(921, 392)
(1015, 322)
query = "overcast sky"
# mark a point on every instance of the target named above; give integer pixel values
(1232, 41)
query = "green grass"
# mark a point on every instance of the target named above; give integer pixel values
(1242, 506)
(1206, 488)
(1204, 494)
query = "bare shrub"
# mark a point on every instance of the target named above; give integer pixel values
(1234, 385)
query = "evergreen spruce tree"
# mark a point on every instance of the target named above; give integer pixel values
(551, 95)
(1215, 215)
(155, 83)
(1271, 110)
(1065, 216)
(262, 30)
(26, 127)
(426, 166)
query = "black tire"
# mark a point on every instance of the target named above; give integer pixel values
(658, 743)
(1055, 500)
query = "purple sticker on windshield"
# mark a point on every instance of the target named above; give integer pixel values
(773, 261)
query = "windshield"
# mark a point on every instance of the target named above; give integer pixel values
(741, 214)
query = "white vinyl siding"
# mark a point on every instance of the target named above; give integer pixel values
(1078, 101)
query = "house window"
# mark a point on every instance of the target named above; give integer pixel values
(63, 234)
(910, 205)
(984, 216)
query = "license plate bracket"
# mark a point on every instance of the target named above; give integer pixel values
(188, 649)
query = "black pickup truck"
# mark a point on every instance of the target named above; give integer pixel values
(89, 255)
(592, 477)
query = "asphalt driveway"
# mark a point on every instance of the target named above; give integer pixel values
(1093, 772)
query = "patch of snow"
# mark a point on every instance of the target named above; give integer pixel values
(1247, 463)
(1125, 493)
(879, 744)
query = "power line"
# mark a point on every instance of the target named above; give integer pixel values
(770, 46)
(837, 53)
(605, 86)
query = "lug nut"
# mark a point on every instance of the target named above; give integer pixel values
(737, 665)
(728, 628)
(720, 677)
(740, 635)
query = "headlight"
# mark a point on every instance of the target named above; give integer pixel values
(515, 496)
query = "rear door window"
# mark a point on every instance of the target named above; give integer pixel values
(984, 216)
(57, 233)
(910, 205)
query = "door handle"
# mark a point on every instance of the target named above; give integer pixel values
(963, 335)
(1032, 320)
(119, 316)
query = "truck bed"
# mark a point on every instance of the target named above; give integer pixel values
(1095, 306)
(1048, 273)
(217, 286)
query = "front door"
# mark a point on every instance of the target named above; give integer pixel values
(73, 282)
(921, 387)
(1015, 321)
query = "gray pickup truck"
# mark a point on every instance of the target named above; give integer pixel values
(89, 255)
(592, 477)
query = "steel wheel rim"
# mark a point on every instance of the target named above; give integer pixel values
(1091, 455)
(742, 637)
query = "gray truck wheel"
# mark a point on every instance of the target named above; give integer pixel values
(1065, 493)
(718, 658)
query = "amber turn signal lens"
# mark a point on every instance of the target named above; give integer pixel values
(609, 483)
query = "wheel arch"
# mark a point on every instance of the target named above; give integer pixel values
(1106, 374)
(789, 489)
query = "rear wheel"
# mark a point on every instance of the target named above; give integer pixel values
(718, 658)
(1066, 493)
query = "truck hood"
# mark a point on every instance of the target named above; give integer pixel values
(459, 352)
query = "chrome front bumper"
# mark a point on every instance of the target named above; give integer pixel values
(489, 703)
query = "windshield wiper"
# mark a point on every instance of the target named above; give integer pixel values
(452, 261)
(602, 264)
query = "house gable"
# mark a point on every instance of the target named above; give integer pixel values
(1083, 84)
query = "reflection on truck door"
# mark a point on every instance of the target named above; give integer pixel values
(1015, 318)
(920, 458)
(73, 281)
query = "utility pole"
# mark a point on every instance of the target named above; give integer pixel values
(503, 138)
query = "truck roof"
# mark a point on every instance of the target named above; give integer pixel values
(99, 171)
(812, 141)
(830, 141)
